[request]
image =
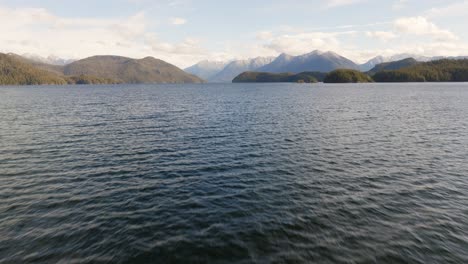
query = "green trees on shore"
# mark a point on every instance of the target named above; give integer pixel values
(15, 71)
(86, 79)
(262, 77)
(347, 76)
(446, 70)
(435, 71)
(398, 76)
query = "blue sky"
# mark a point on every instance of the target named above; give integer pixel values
(184, 32)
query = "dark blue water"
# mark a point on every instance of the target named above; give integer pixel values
(234, 174)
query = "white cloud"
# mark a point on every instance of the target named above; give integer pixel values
(399, 4)
(452, 10)
(429, 49)
(405, 38)
(178, 21)
(339, 3)
(381, 35)
(38, 31)
(264, 35)
(301, 43)
(420, 26)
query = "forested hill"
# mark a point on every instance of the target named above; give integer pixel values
(394, 65)
(446, 70)
(303, 77)
(16, 70)
(127, 70)
(347, 76)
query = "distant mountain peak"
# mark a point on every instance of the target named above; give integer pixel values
(236, 67)
(51, 59)
(315, 53)
(313, 61)
(207, 69)
(284, 57)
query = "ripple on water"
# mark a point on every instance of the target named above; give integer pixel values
(234, 173)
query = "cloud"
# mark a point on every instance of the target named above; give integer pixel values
(339, 3)
(407, 36)
(420, 26)
(38, 31)
(188, 46)
(399, 4)
(301, 43)
(178, 21)
(452, 10)
(264, 35)
(381, 35)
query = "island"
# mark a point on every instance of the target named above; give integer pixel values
(303, 77)
(347, 76)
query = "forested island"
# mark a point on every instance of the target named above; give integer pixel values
(347, 76)
(303, 77)
(407, 70)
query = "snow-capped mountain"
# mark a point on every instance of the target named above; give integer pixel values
(237, 67)
(372, 63)
(53, 60)
(206, 69)
(313, 61)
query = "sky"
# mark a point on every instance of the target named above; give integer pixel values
(184, 32)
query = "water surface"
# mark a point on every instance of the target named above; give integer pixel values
(242, 173)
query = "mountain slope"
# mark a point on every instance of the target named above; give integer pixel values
(127, 70)
(52, 60)
(445, 70)
(278, 64)
(55, 69)
(14, 71)
(314, 61)
(206, 69)
(237, 67)
(372, 63)
(394, 65)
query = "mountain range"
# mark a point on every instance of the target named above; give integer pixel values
(32, 69)
(406, 70)
(15, 69)
(315, 61)
(52, 59)
(207, 69)
(233, 68)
